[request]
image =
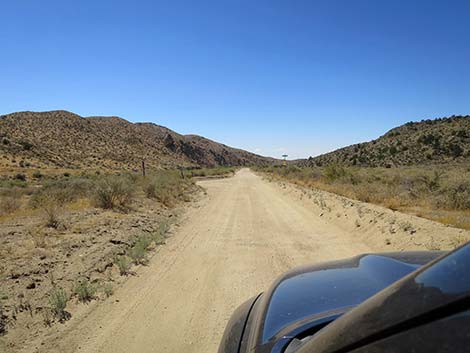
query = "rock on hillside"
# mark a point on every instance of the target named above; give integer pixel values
(445, 140)
(66, 140)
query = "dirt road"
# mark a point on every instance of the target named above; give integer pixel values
(228, 248)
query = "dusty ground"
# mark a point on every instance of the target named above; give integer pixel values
(230, 246)
(35, 258)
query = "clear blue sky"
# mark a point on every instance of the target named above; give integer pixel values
(270, 76)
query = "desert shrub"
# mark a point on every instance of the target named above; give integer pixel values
(138, 252)
(150, 189)
(114, 192)
(333, 172)
(50, 204)
(39, 238)
(37, 175)
(9, 204)
(52, 215)
(123, 264)
(167, 187)
(84, 290)
(27, 146)
(456, 196)
(20, 177)
(163, 228)
(432, 182)
(159, 236)
(61, 192)
(108, 289)
(58, 301)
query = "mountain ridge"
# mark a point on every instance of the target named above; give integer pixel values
(67, 140)
(430, 141)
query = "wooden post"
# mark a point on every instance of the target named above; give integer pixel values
(143, 168)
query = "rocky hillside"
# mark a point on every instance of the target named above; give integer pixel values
(445, 140)
(66, 140)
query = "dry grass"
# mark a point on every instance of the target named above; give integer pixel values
(438, 193)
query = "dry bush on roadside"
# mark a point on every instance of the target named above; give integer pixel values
(114, 192)
(58, 301)
(108, 289)
(123, 264)
(167, 187)
(9, 204)
(39, 238)
(150, 189)
(51, 210)
(84, 290)
(160, 235)
(138, 252)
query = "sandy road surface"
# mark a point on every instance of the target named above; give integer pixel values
(229, 248)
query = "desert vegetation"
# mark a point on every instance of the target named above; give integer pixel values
(210, 172)
(71, 237)
(440, 193)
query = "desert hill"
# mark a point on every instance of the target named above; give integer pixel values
(437, 141)
(66, 140)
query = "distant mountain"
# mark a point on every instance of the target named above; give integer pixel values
(441, 140)
(66, 140)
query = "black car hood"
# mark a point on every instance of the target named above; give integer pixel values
(318, 294)
(435, 290)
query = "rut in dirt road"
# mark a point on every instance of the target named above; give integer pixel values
(232, 246)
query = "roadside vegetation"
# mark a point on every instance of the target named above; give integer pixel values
(210, 172)
(72, 237)
(439, 193)
(50, 195)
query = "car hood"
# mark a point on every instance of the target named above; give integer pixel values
(439, 288)
(313, 296)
